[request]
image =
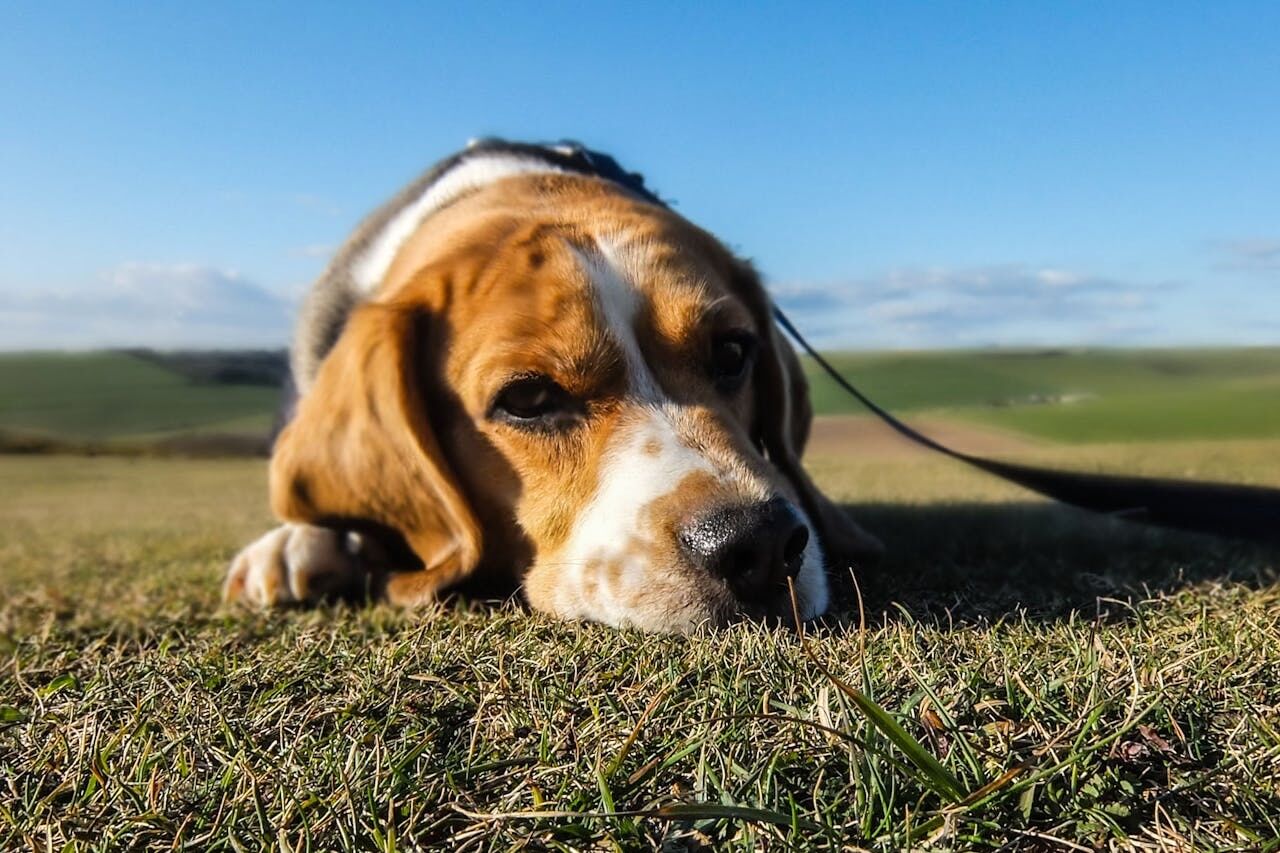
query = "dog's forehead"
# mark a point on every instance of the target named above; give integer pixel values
(642, 284)
(606, 305)
(582, 282)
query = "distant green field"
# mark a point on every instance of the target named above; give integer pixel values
(118, 396)
(1060, 395)
(1075, 396)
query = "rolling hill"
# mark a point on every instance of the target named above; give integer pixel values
(139, 398)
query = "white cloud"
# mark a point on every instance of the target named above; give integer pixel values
(148, 304)
(1251, 254)
(941, 306)
(200, 306)
(1057, 278)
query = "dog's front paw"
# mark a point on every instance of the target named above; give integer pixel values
(295, 564)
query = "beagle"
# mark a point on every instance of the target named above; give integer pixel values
(527, 371)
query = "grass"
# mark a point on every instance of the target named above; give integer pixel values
(1121, 686)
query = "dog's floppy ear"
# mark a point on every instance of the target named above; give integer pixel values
(361, 448)
(783, 418)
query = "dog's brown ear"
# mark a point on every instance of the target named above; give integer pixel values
(783, 418)
(361, 449)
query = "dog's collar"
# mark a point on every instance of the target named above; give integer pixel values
(482, 162)
(569, 156)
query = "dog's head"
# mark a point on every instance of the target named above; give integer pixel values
(560, 380)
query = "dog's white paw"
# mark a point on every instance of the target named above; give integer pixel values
(295, 563)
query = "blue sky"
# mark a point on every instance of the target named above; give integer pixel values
(906, 175)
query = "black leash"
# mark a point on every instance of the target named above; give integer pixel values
(1223, 509)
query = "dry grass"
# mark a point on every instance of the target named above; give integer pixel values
(1130, 678)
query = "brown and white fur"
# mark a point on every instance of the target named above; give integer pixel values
(653, 492)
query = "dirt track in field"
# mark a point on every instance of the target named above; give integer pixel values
(857, 435)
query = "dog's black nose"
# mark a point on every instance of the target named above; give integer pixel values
(755, 547)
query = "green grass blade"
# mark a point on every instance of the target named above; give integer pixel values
(940, 779)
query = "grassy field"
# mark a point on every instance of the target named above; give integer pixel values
(130, 399)
(1075, 396)
(122, 397)
(1088, 685)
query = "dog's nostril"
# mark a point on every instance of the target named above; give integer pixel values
(793, 549)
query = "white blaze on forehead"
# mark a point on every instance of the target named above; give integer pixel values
(471, 174)
(643, 462)
(610, 273)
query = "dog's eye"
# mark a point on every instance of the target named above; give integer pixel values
(534, 401)
(731, 358)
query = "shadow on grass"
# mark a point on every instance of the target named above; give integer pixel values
(966, 563)
(970, 562)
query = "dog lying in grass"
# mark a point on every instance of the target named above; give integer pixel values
(526, 370)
